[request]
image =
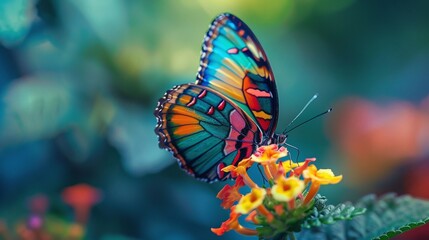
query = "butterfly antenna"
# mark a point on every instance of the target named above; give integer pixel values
(302, 110)
(308, 120)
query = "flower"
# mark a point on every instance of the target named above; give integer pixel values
(287, 189)
(276, 208)
(230, 194)
(241, 170)
(233, 224)
(289, 165)
(251, 200)
(81, 197)
(279, 209)
(298, 170)
(317, 178)
(321, 176)
(267, 154)
(252, 217)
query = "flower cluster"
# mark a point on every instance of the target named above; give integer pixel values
(43, 224)
(278, 208)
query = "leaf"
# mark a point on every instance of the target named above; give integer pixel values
(385, 217)
(329, 214)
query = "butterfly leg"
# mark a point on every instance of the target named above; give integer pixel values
(296, 149)
(262, 175)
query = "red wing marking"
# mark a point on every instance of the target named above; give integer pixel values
(232, 51)
(220, 173)
(202, 94)
(238, 123)
(192, 102)
(265, 124)
(221, 105)
(245, 49)
(258, 93)
(211, 110)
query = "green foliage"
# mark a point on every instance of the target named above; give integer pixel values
(315, 215)
(322, 213)
(282, 224)
(385, 217)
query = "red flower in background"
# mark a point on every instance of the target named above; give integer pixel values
(376, 139)
(81, 197)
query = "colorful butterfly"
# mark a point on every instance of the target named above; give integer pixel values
(230, 110)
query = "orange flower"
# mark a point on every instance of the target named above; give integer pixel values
(233, 224)
(298, 171)
(230, 194)
(252, 217)
(279, 209)
(267, 156)
(241, 170)
(270, 153)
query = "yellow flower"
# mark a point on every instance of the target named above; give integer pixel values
(287, 189)
(321, 176)
(267, 154)
(251, 200)
(318, 177)
(288, 165)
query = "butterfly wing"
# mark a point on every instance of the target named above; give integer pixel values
(234, 64)
(204, 130)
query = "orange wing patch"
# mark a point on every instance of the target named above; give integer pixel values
(183, 120)
(262, 114)
(182, 110)
(187, 129)
(185, 99)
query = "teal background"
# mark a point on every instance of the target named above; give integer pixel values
(79, 80)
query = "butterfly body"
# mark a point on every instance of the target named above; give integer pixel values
(231, 109)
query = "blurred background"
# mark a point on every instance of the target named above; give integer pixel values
(79, 80)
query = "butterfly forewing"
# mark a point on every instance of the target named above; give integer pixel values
(234, 64)
(204, 130)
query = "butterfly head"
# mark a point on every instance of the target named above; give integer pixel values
(279, 139)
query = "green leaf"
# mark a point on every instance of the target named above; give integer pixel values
(385, 217)
(329, 214)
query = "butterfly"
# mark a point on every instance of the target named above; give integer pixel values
(229, 111)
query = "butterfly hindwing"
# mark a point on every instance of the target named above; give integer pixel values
(234, 64)
(204, 130)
